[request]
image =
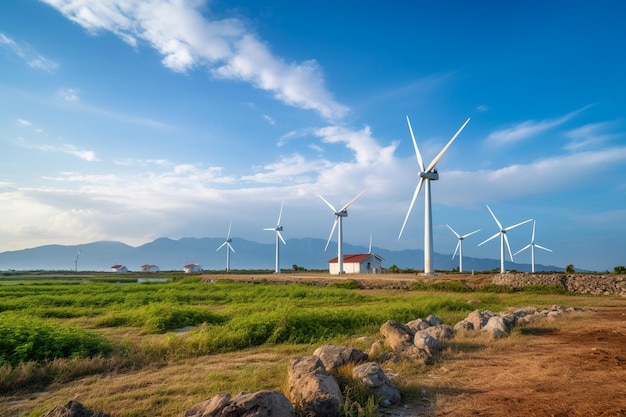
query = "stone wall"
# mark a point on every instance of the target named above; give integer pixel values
(596, 284)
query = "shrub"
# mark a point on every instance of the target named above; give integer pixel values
(29, 339)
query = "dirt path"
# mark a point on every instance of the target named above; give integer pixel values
(575, 369)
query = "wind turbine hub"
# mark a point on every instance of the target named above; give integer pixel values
(432, 175)
(279, 228)
(343, 213)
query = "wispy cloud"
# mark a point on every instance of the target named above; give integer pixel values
(24, 122)
(529, 129)
(68, 94)
(592, 134)
(27, 53)
(85, 155)
(187, 38)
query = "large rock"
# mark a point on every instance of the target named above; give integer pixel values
(312, 391)
(397, 335)
(259, 404)
(417, 325)
(479, 318)
(334, 357)
(371, 375)
(495, 326)
(73, 409)
(424, 341)
(440, 331)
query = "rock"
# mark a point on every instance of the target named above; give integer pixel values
(479, 318)
(496, 326)
(371, 375)
(73, 409)
(463, 325)
(417, 325)
(334, 357)
(312, 391)
(259, 404)
(397, 335)
(440, 331)
(424, 341)
(433, 320)
(210, 408)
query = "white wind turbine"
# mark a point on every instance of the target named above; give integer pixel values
(278, 228)
(427, 174)
(76, 261)
(503, 238)
(532, 245)
(339, 214)
(228, 248)
(459, 246)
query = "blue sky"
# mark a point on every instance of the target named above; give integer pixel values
(132, 120)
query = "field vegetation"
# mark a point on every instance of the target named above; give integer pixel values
(95, 334)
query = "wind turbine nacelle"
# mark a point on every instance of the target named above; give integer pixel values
(433, 176)
(341, 213)
(279, 228)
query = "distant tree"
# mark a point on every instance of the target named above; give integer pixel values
(394, 269)
(621, 269)
(297, 268)
(569, 269)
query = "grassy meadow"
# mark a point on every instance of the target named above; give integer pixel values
(133, 349)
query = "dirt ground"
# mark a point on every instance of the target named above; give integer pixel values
(565, 368)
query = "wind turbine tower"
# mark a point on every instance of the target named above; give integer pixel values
(532, 245)
(426, 175)
(278, 228)
(229, 248)
(503, 238)
(76, 261)
(459, 246)
(339, 215)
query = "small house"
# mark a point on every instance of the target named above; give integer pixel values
(191, 268)
(364, 263)
(149, 268)
(119, 268)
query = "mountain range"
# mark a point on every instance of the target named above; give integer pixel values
(172, 255)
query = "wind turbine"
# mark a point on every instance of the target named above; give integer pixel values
(532, 245)
(76, 261)
(228, 248)
(503, 238)
(459, 246)
(339, 214)
(427, 175)
(278, 228)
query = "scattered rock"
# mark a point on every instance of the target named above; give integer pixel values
(334, 357)
(372, 376)
(73, 409)
(313, 392)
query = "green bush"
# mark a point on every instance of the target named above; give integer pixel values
(30, 339)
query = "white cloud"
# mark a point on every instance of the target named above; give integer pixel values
(529, 129)
(591, 134)
(68, 94)
(85, 155)
(24, 122)
(187, 39)
(27, 53)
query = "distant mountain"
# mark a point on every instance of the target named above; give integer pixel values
(171, 255)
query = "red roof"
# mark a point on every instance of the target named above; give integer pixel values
(117, 266)
(355, 258)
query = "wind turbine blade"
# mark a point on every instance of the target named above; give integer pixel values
(331, 233)
(541, 247)
(458, 245)
(280, 213)
(492, 237)
(221, 246)
(230, 247)
(417, 151)
(270, 228)
(518, 224)
(506, 240)
(370, 247)
(532, 239)
(522, 250)
(455, 233)
(445, 148)
(494, 217)
(417, 190)
(229, 227)
(471, 233)
(351, 201)
(281, 237)
(328, 204)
